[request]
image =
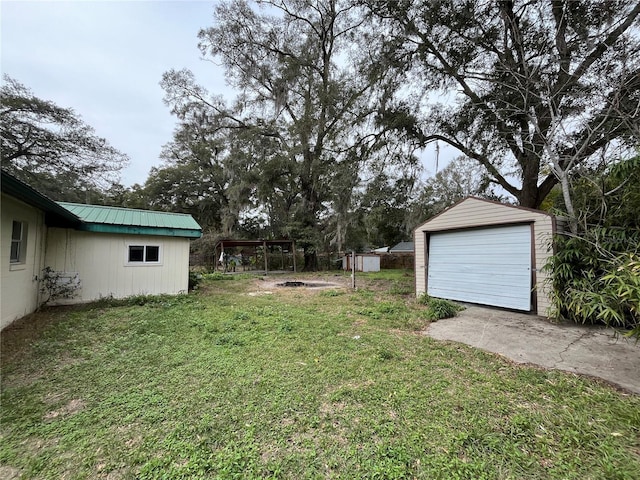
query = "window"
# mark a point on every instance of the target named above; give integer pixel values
(143, 254)
(152, 253)
(18, 242)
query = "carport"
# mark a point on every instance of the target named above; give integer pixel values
(286, 248)
(485, 252)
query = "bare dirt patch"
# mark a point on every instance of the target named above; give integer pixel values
(71, 408)
(307, 284)
(9, 473)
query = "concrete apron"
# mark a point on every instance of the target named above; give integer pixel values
(524, 338)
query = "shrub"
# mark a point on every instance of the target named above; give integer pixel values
(58, 285)
(194, 280)
(439, 308)
(595, 273)
(594, 284)
(216, 276)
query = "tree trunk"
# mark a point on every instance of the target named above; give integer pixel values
(568, 202)
(310, 260)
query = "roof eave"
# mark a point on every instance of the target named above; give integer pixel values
(55, 215)
(140, 230)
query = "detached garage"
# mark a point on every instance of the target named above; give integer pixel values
(485, 252)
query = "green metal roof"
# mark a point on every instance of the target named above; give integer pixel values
(98, 218)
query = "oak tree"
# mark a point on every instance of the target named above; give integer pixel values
(307, 103)
(51, 148)
(530, 90)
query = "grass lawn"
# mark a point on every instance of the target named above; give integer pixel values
(242, 380)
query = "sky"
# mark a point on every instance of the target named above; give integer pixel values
(105, 59)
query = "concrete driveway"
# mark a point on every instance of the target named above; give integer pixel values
(524, 338)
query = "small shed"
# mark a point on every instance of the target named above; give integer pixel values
(365, 262)
(485, 252)
(97, 251)
(121, 252)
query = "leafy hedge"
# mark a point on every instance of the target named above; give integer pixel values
(593, 282)
(595, 273)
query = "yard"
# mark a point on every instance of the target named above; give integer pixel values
(245, 379)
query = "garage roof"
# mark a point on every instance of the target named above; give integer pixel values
(480, 212)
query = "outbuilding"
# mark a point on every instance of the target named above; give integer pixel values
(485, 252)
(121, 252)
(365, 262)
(96, 251)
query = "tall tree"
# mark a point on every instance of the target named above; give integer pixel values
(385, 209)
(463, 177)
(302, 87)
(534, 87)
(48, 146)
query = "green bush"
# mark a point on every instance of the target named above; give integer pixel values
(194, 280)
(216, 276)
(592, 283)
(595, 273)
(439, 308)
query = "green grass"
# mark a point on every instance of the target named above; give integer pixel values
(293, 384)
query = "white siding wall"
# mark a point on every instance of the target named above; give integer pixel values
(473, 212)
(19, 283)
(101, 261)
(368, 263)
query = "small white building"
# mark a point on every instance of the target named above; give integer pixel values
(103, 251)
(365, 262)
(485, 252)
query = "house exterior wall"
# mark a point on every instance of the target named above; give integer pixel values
(19, 281)
(475, 213)
(101, 261)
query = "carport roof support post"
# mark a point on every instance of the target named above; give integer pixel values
(266, 261)
(353, 270)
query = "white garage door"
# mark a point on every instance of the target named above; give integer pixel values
(490, 266)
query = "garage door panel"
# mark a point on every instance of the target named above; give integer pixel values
(506, 301)
(477, 289)
(514, 245)
(487, 261)
(489, 266)
(476, 281)
(482, 254)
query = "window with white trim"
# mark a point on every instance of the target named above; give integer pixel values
(143, 254)
(18, 242)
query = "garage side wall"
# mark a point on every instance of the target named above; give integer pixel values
(101, 261)
(476, 213)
